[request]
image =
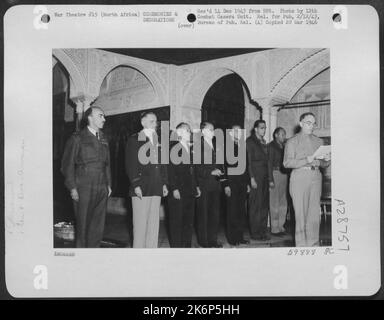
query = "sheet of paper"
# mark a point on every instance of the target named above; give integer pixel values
(322, 151)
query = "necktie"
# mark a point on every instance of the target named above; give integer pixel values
(97, 136)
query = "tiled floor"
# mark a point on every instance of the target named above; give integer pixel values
(117, 234)
(274, 242)
(117, 229)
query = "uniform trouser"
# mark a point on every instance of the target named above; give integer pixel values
(259, 207)
(91, 209)
(207, 216)
(236, 205)
(278, 202)
(305, 189)
(145, 218)
(181, 213)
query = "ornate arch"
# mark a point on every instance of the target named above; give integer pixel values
(286, 87)
(78, 86)
(194, 94)
(152, 78)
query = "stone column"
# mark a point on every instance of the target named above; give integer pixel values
(79, 113)
(174, 97)
(251, 113)
(260, 88)
(87, 102)
(273, 121)
(82, 104)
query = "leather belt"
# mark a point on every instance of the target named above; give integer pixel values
(310, 168)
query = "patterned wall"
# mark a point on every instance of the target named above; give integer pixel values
(125, 89)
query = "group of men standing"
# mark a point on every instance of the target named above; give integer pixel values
(193, 191)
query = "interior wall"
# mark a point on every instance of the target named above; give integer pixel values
(125, 89)
(317, 89)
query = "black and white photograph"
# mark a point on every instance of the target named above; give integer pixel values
(183, 151)
(280, 198)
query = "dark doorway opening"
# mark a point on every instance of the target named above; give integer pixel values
(223, 104)
(117, 129)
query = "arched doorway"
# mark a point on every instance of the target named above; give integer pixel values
(313, 96)
(126, 89)
(125, 93)
(224, 102)
(224, 105)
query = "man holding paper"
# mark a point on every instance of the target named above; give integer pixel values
(305, 153)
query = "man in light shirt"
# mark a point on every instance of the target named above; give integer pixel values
(305, 180)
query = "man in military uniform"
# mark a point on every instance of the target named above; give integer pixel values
(236, 188)
(183, 189)
(277, 182)
(148, 182)
(305, 181)
(257, 155)
(86, 168)
(209, 174)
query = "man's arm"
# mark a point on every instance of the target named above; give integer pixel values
(271, 155)
(172, 175)
(164, 173)
(131, 162)
(194, 177)
(108, 169)
(68, 161)
(290, 160)
(325, 163)
(225, 177)
(249, 151)
(203, 171)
